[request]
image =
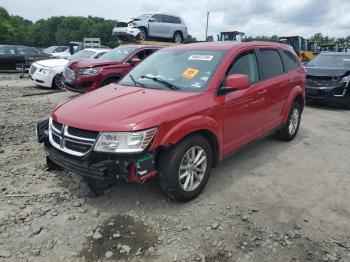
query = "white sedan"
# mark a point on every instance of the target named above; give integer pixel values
(48, 73)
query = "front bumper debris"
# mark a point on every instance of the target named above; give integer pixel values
(99, 166)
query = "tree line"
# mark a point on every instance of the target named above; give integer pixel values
(60, 30)
(57, 30)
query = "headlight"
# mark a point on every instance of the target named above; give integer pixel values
(88, 71)
(345, 79)
(46, 70)
(124, 142)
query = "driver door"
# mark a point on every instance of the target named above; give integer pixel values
(156, 27)
(244, 110)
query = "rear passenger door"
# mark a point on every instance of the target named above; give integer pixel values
(168, 25)
(244, 110)
(277, 85)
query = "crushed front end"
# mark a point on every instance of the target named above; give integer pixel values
(72, 149)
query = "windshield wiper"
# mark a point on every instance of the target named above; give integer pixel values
(136, 82)
(161, 81)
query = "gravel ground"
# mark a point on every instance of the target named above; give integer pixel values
(273, 201)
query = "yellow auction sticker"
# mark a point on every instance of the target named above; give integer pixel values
(190, 73)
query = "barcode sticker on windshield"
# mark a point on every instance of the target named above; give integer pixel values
(201, 57)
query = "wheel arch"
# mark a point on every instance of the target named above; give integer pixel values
(297, 94)
(209, 135)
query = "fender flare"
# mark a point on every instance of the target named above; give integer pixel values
(297, 91)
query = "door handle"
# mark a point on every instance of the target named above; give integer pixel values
(262, 92)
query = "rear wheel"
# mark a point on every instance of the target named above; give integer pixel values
(185, 169)
(57, 82)
(178, 38)
(290, 130)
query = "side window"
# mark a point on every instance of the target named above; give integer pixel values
(7, 50)
(176, 20)
(246, 64)
(149, 52)
(167, 19)
(289, 60)
(25, 51)
(140, 54)
(271, 63)
(157, 18)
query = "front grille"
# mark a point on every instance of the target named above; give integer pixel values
(68, 73)
(71, 140)
(321, 81)
(82, 133)
(32, 69)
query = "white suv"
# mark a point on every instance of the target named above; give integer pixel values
(154, 25)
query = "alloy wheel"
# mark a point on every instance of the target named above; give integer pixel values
(192, 168)
(178, 38)
(294, 121)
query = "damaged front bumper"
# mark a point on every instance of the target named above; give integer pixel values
(333, 94)
(99, 166)
(126, 32)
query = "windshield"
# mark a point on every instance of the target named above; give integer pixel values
(143, 17)
(330, 61)
(117, 54)
(50, 49)
(186, 70)
(82, 54)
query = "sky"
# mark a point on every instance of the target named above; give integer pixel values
(254, 17)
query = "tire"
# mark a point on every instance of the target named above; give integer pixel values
(172, 166)
(98, 187)
(109, 81)
(178, 38)
(143, 34)
(57, 82)
(289, 131)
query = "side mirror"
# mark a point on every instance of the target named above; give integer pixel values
(236, 82)
(135, 61)
(151, 20)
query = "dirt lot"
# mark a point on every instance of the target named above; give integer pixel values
(273, 201)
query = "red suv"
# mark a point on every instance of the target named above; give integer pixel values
(86, 75)
(177, 114)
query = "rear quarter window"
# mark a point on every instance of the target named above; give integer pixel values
(289, 60)
(271, 63)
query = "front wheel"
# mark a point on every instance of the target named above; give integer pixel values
(143, 35)
(290, 130)
(185, 169)
(57, 82)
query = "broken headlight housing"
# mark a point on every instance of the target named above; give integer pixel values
(124, 142)
(345, 79)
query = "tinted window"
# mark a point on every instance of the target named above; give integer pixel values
(7, 50)
(25, 51)
(271, 63)
(143, 54)
(157, 18)
(246, 64)
(171, 19)
(289, 61)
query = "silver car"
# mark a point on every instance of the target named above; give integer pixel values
(154, 25)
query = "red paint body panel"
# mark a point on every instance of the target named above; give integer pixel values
(235, 118)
